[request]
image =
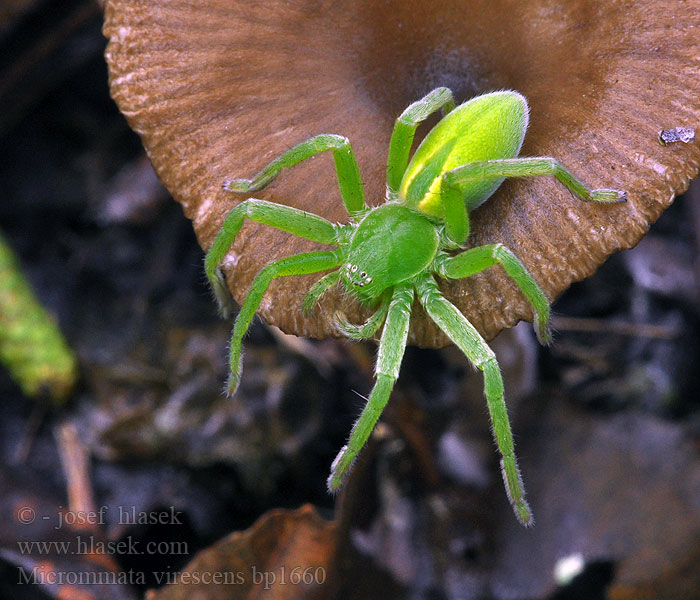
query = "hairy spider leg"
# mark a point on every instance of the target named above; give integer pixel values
(477, 259)
(469, 341)
(317, 290)
(286, 218)
(405, 130)
(529, 167)
(347, 171)
(301, 264)
(456, 212)
(369, 327)
(391, 349)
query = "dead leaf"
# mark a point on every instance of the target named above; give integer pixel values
(285, 555)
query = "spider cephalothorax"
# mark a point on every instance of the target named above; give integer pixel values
(389, 255)
(392, 243)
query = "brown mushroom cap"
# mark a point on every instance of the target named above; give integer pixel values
(218, 88)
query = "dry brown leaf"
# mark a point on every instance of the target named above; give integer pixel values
(285, 555)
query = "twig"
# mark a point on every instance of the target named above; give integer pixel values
(663, 332)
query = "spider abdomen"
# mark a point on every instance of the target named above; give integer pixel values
(391, 244)
(491, 126)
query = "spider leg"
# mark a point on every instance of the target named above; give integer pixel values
(286, 218)
(389, 356)
(456, 213)
(347, 171)
(302, 264)
(317, 290)
(528, 167)
(477, 259)
(369, 327)
(405, 130)
(469, 341)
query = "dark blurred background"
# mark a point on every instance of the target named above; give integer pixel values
(606, 420)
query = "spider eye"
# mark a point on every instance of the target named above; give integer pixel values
(363, 274)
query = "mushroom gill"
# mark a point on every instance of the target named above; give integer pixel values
(218, 88)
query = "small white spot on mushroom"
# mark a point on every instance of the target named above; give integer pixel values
(125, 79)
(230, 260)
(204, 207)
(284, 132)
(650, 163)
(572, 215)
(266, 305)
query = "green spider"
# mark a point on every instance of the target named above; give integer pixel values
(387, 255)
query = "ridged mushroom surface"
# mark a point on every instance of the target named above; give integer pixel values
(218, 88)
